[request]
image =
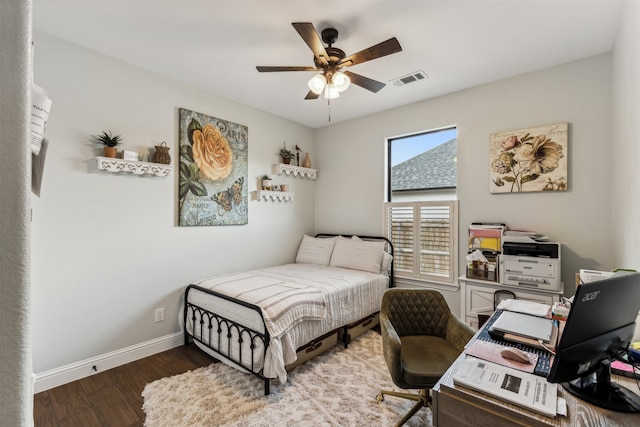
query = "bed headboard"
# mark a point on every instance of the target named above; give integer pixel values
(388, 248)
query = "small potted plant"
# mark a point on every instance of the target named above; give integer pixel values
(110, 142)
(286, 154)
(266, 183)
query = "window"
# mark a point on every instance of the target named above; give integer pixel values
(421, 211)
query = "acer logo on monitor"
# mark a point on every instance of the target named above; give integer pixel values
(590, 296)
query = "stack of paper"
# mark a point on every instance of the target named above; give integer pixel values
(523, 236)
(517, 387)
(587, 276)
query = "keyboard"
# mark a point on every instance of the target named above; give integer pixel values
(544, 357)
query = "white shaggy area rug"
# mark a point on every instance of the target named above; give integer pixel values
(337, 388)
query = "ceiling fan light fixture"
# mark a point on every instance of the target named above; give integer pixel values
(317, 84)
(331, 91)
(329, 60)
(341, 81)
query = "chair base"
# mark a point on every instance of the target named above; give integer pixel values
(423, 400)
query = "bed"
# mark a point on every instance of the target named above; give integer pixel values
(268, 320)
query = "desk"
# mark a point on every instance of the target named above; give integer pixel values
(455, 406)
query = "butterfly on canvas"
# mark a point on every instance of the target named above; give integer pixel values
(231, 197)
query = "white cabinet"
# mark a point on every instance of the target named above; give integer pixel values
(477, 297)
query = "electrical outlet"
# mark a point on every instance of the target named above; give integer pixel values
(159, 314)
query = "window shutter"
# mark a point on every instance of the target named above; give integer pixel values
(435, 240)
(400, 232)
(424, 239)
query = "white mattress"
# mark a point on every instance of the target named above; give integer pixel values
(350, 295)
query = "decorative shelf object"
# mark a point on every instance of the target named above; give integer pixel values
(114, 165)
(282, 196)
(295, 170)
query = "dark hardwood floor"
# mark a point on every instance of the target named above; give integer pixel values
(113, 397)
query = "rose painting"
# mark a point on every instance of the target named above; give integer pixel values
(213, 171)
(533, 159)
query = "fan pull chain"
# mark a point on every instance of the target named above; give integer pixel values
(329, 104)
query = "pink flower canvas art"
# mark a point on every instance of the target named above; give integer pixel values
(525, 160)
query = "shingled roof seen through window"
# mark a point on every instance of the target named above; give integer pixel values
(433, 169)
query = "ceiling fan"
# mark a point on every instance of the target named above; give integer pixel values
(331, 62)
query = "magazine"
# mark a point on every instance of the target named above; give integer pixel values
(520, 388)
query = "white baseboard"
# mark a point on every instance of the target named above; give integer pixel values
(75, 371)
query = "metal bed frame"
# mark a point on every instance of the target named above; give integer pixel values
(210, 324)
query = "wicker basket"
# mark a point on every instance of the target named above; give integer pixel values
(161, 154)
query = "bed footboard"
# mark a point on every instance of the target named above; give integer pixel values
(221, 334)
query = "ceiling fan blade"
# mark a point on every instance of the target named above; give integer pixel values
(365, 82)
(311, 37)
(381, 49)
(267, 69)
(312, 95)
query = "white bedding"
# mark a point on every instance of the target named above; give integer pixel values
(349, 295)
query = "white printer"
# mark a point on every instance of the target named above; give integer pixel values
(531, 264)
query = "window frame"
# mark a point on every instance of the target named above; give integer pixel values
(414, 275)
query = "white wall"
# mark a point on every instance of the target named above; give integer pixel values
(350, 192)
(625, 140)
(106, 248)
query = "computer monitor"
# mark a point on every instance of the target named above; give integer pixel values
(599, 328)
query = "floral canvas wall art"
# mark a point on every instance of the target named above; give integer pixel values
(213, 171)
(533, 159)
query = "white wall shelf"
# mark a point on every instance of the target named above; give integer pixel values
(282, 196)
(111, 164)
(281, 168)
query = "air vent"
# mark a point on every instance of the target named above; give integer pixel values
(410, 78)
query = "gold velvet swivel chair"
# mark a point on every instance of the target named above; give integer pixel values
(421, 338)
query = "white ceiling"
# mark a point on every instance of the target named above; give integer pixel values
(215, 45)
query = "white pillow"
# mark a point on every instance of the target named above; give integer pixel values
(386, 262)
(357, 255)
(386, 257)
(315, 250)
